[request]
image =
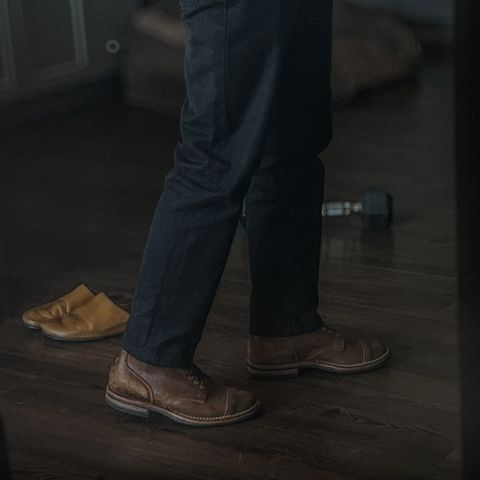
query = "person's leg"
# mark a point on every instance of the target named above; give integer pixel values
(284, 241)
(284, 202)
(234, 57)
(283, 218)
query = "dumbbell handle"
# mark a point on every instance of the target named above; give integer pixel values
(340, 209)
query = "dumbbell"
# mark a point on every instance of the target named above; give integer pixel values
(375, 208)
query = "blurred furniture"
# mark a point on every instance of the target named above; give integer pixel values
(50, 45)
(371, 48)
(437, 12)
(433, 22)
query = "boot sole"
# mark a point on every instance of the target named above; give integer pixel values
(293, 369)
(140, 410)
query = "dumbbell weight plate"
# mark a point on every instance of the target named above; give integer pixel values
(377, 209)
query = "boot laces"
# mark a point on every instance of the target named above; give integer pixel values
(196, 375)
(329, 329)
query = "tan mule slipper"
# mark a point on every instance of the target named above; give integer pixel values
(96, 319)
(56, 309)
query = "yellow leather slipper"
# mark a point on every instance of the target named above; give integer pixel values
(96, 319)
(54, 310)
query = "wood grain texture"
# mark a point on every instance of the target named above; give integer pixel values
(79, 196)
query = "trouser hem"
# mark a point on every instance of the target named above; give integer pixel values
(310, 327)
(154, 358)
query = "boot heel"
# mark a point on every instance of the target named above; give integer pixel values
(278, 373)
(126, 407)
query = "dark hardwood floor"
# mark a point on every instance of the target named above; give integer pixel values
(78, 193)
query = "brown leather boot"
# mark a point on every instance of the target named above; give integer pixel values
(324, 349)
(185, 395)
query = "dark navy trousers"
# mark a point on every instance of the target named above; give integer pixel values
(257, 113)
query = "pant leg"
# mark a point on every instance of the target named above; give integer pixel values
(284, 202)
(233, 61)
(283, 224)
